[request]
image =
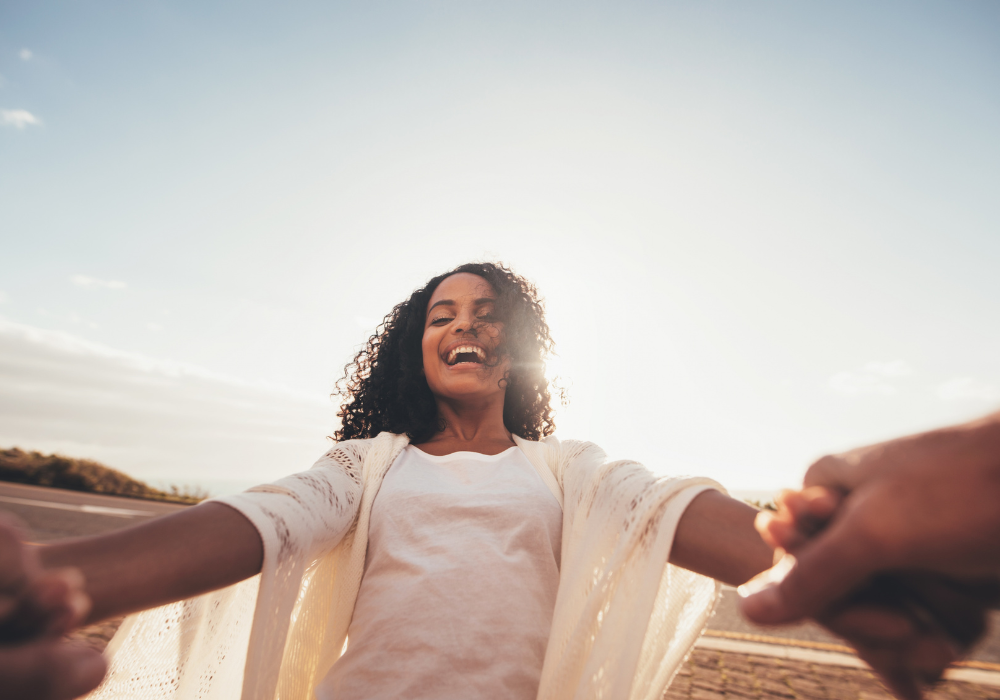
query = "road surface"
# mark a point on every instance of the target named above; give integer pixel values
(52, 514)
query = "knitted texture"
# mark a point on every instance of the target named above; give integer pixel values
(623, 622)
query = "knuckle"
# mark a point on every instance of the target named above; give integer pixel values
(825, 471)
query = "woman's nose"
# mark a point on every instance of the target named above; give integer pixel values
(465, 325)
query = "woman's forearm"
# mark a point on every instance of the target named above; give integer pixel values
(176, 556)
(716, 537)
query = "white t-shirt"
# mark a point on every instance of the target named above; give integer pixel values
(460, 582)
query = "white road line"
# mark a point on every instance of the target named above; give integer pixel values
(968, 675)
(98, 510)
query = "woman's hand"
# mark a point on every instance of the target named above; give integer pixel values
(37, 607)
(34, 602)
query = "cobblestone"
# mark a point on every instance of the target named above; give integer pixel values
(743, 677)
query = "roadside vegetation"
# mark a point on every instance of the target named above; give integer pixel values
(60, 472)
(761, 505)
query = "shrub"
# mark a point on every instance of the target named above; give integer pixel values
(60, 472)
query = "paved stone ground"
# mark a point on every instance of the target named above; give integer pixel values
(720, 675)
(723, 675)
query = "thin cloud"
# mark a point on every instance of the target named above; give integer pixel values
(854, 383)
(151, 417)
(85, 281)
(25, 54)
(892, 368)
(80, 321)
(18, 118)
(968, 389)
(3, 297)
(870, 379)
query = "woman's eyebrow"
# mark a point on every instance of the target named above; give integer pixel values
(443, 302)
(449, 302)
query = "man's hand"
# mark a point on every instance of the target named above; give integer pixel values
(36, 608)
(895, 547)
(909, 626)
(928, 502)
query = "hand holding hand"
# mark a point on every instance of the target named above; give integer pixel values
(925, 502)
(908, 626)
(37, 607)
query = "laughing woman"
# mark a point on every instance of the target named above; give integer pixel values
(447, 545)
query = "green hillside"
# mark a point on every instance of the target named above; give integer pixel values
(60, 472)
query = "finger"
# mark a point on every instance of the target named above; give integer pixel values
(900, 652)
(781, 498)
(777, 531)
(931, 656)
(802, 515)
(871, 625)
(54, 604)
(760, 524)
(810, 509)
(806, 502)
(16, 564)
(955, 608)
(825, 570)
(893, 667)
(50, 671)
(900, 681)
(909, 666)
(820, 502)
(836, 472)
(61, 600)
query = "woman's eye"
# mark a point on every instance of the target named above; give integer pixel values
(440, 321)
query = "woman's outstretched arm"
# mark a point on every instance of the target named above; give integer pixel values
(170, 558)
(716, 537)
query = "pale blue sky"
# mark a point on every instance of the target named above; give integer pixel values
(763, 232)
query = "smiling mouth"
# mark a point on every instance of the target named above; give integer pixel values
(466, 353)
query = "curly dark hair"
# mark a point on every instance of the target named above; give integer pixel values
(384, 387)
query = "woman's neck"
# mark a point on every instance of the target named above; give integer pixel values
(469, 428)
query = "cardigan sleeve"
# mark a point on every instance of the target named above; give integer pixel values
(625, 619)
(299, 518)
(228, 643)
(305, 514)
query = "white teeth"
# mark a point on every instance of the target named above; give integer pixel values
(475, 349)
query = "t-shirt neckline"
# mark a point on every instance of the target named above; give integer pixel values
(463, 454)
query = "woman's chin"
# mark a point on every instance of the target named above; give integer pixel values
(469, 388)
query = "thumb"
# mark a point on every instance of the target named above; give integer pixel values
(840, 472)
(822, 571)
(49, 671)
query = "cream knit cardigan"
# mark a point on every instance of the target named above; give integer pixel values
(623, 622)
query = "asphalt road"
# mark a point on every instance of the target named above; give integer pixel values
(50, 514)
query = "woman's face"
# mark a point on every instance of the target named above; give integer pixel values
(460, 339)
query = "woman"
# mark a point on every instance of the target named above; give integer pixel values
(465, 551)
